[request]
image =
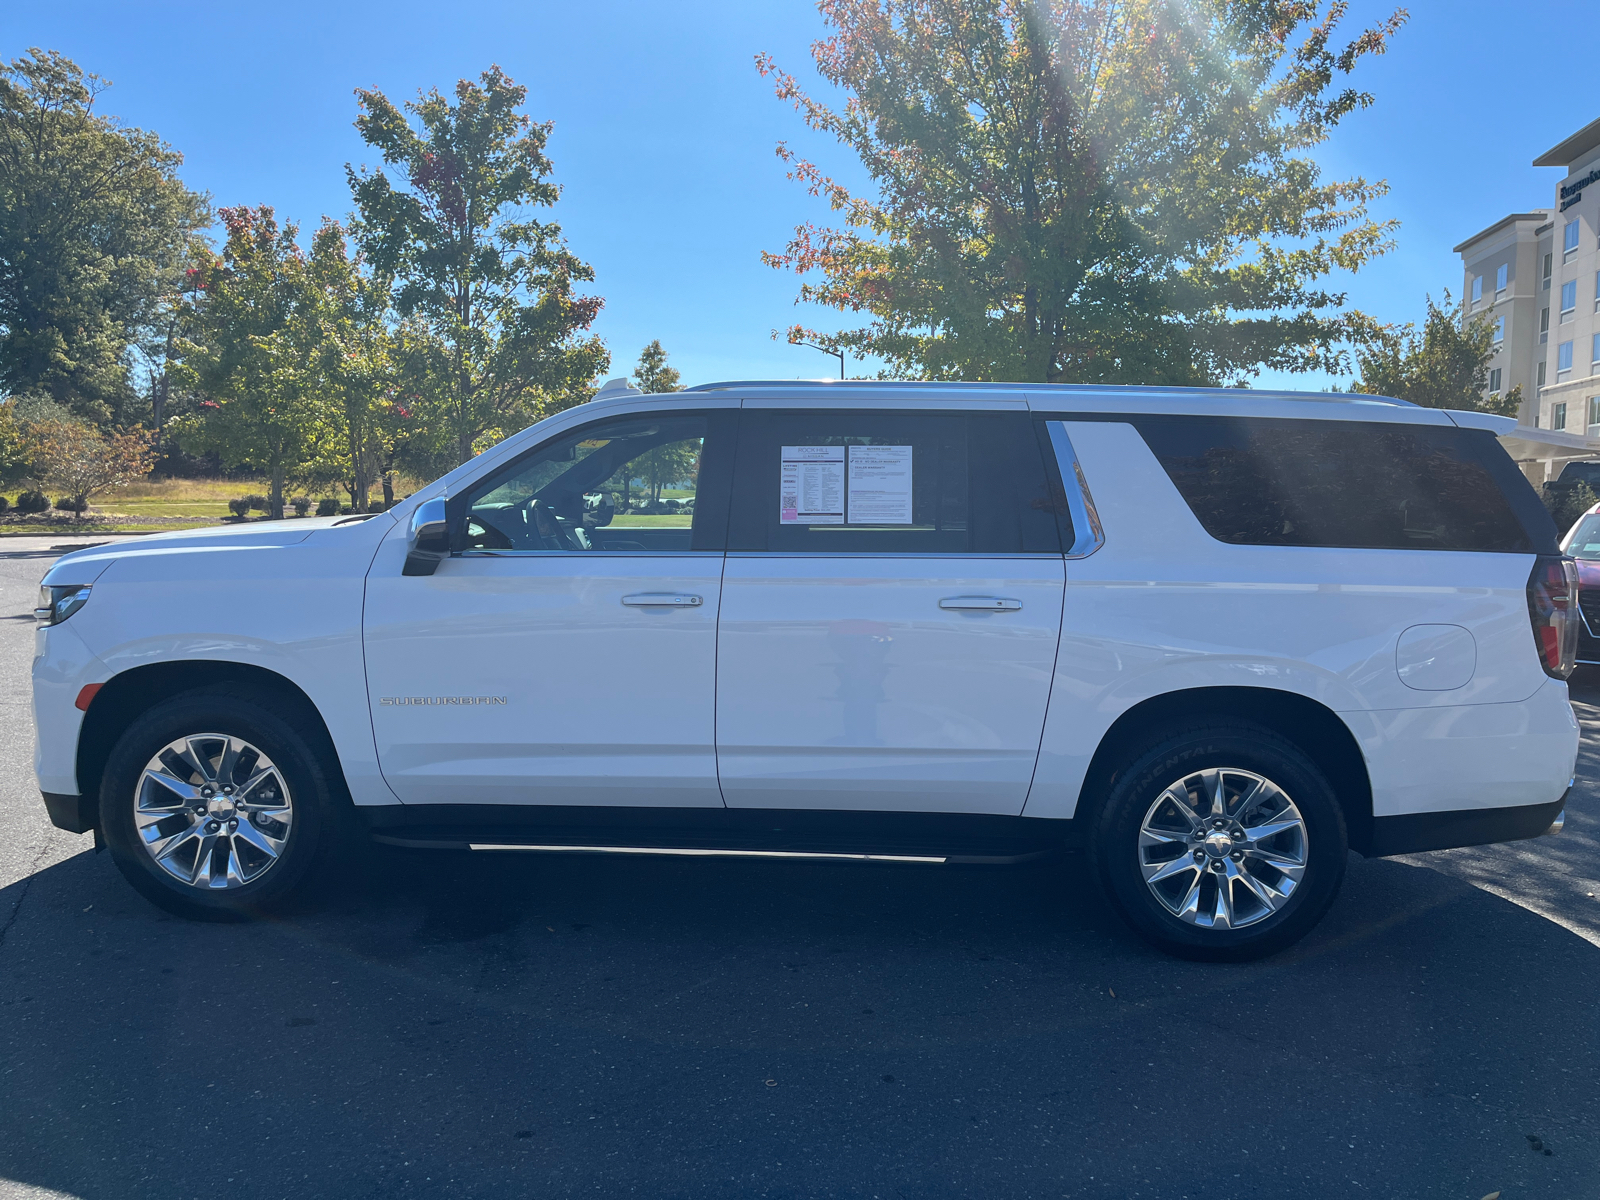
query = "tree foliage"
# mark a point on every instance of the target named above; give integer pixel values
(1445, 364)
(1087, 190)
(652, 375)
(79, 461)
(95, 232)
(257, 355)
(497, 323)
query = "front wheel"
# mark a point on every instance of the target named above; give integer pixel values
(1221, 842)
(216, 805)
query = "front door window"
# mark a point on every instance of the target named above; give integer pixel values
(626, 486)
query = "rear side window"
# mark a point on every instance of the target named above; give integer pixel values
(862, 482)
(1363, 485)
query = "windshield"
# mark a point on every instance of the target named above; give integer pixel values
(1584, 540)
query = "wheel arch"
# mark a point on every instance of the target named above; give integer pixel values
(1314, 727)
(126, 696)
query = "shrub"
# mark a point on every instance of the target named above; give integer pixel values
(1567, 504)
(5, 503)
(259, 503)
(33, 502)
(68, 504)
(301, 505)
(327, 507)
(239, 506)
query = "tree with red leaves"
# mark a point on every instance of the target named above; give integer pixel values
(1107, 191)
(496, 334)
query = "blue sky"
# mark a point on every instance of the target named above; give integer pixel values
(664, 133)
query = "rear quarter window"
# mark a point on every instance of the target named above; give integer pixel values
(1361, 485)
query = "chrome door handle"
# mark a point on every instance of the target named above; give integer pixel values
(981, 603)
(663, 600)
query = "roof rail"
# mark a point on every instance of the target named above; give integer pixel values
(1088, 388)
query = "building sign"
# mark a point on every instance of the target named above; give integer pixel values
(1573, 192)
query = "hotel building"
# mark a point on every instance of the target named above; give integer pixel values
(1536, 276)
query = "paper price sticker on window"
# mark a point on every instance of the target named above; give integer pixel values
(880, 485)
(811, 485)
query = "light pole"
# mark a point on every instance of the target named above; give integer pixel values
(839, 354)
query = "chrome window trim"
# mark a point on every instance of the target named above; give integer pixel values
(1087, 534)
(589, 553)
(930, 555)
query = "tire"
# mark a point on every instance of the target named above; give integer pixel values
(1278, 884)
(282, 785)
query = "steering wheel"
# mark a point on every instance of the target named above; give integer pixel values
(542, 521)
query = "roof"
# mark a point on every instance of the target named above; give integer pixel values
(1500, 224)
(1065, 389)
(1575, 147)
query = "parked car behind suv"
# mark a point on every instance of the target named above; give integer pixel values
(1213, 639)
(1582, 544)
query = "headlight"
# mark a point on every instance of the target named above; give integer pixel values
(57, 602)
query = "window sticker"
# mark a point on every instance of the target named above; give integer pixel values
(811, 490)
(880, 485)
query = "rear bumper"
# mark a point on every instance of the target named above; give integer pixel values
(1412, 833)
(75, 814)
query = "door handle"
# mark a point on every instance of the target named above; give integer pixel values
(663, 600)
(981, 603)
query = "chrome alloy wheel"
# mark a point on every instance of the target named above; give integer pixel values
(1222, 848)
(212, 811)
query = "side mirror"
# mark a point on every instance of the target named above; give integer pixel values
(429, 540)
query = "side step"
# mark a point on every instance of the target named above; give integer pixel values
(430, 840)
(824, 836)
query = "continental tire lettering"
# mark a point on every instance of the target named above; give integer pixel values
(432, 701)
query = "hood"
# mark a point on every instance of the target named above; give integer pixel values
(86, 565)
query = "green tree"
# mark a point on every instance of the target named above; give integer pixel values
(1566, 505)
(1086, 190)
(257, 358)
(1443, 365)
(653, 375)
(490, 284)
(95, 232)
(346, 313)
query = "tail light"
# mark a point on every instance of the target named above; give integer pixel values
(1553, 609)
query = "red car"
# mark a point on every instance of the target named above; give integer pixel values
(1583, 544)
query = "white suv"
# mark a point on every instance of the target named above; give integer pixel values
(1213, 638)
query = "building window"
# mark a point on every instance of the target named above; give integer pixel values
(1548, 259)
(1558, 416)
(1494, 377)
(1500, 278)
(1540, 382)
(1544, 325)
(1569, 240)
(1563, 357)
(1477, 288)
(1499, 330)
(1597, 291)
(1594, 411)
(1569, 298)
(1594, 355)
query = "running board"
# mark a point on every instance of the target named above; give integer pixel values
(935, 839)
(708, 852)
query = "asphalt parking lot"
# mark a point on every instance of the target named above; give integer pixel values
(570, 1026)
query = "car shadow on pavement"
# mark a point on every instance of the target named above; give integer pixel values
(550, 1025)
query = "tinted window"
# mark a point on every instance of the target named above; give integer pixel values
(1584, 541)
(1344, 483)
(841, 481)
(629, 485)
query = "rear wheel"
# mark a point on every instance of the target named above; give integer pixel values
(216, 805)
(1221, 842)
